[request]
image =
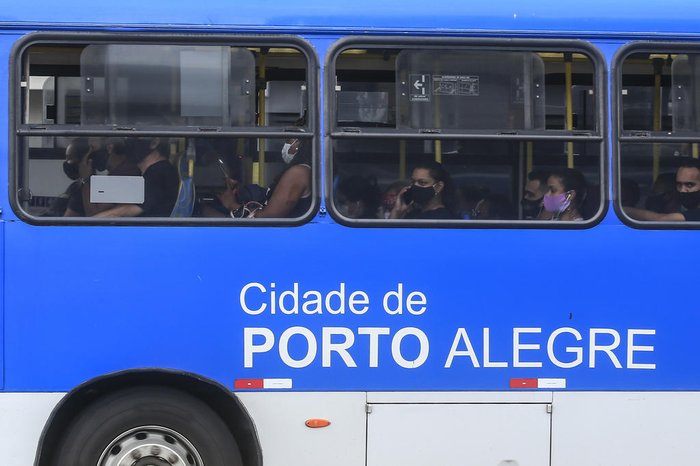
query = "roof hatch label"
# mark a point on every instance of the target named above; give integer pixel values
(459, 85)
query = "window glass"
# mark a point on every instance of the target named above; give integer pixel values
(660, 132)
(461, 136)
(155, 130)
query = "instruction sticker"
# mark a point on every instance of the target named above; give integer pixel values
(456, 85)
(420, 87)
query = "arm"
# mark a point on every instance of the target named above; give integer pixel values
(648, 215)
(293, 185)
(126, 210)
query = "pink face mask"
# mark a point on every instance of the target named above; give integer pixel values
(556, 203)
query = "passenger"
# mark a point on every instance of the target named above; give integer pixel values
(161, 181)
(664, 197)
(290, 193)
(70, 203)
(688, 188)
(466, 199)
(389, 198)
(357, 197)
(566, 191)
(110, 157)
(535, 189)
(493, 207)
(428, 197)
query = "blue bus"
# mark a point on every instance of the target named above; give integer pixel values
(361, 235)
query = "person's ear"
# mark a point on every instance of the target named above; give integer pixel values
(439, 186)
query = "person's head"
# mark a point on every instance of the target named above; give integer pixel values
(430, 185)
(493, 207)
(357, 197)
(138, 149)
(565, 188)
(76, 150)
(535, 189)
(688, 183)
(664, 196)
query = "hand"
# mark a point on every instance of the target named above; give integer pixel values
(400, 208)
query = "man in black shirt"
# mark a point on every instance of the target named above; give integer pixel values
(161, 181)
(688, 187)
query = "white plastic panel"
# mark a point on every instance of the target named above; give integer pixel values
(458, 435)
(613, 429)
(22, 418)
(285, 440)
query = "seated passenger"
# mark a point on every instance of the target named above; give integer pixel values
(70, 203)
(161, 181)
(493, 207)
(535, 189)
(688, 188)
(664, 197)
(428, 197)
(566, 191)
(110, 157)
(357, 197)
(290, 193)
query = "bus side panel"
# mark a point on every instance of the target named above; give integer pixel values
(640, 428)
(23, 417)
(285, 439)
(5, 46)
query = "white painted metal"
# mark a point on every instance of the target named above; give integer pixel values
(458, 435)
(286, 441)
(626, 428)
(23, 416)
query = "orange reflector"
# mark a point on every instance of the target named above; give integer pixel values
(316, 423)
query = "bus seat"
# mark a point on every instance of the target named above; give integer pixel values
(185, 196)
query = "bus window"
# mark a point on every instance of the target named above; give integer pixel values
(148, 130)
(456, 134)
(659, 134)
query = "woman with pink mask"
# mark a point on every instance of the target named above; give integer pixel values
(566, 191)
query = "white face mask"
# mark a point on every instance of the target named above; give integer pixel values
(286, 156)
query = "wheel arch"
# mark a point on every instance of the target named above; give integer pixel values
(222, 401)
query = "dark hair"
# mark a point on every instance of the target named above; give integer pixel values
(79, 147)
(358, 188)
(687, 162)
(438, 173)
(572, 180)
(538, 175)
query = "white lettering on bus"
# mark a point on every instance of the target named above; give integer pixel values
(335, 302)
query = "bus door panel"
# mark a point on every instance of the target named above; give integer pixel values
(458, 434)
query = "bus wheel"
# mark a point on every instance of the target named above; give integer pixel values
(148, 426)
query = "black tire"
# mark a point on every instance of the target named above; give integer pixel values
(153, 426)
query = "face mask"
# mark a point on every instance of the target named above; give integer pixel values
(556, 203)
(531, 209)
(286, 156)
(71, 170)
(421, 195)
(690, 200)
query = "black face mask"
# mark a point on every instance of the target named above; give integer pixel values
(71, 170)
(531, 209)
(421, 195)
(690, 200)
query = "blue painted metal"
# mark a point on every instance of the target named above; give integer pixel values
(81, 301)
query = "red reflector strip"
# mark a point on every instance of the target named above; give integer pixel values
(523, 383)
(248, 383)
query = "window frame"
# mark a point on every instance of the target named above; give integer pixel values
(19, 130)
(619, 136)
(599, 135)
